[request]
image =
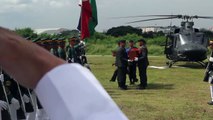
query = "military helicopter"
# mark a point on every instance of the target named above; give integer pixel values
(184, 43)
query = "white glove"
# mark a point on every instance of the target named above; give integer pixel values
(26, 99)
(72, 60)
(2, 77)
(129, 60)
(15, 102)
(3, 105)
(136, 59)
(82, 42)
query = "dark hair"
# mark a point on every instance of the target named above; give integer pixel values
(142, 40)
(118, 42)
(122, 41)
(131, 41)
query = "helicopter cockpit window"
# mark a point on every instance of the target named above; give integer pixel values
(184, 39)
(199, 39)
(191, 38)
(196, 30)
(177, 31)
(189, 27)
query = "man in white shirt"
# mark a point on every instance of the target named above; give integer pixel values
(76, 96)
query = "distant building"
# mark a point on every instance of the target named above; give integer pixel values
(151, 28)
(51, 31)
(211, 29)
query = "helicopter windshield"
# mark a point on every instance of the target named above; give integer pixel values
(191, 38)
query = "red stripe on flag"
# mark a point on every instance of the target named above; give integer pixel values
(86, 14)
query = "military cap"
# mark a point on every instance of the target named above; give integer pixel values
(44, 38)
(36, 39)
(72, 38)
(61, 38)
(55, 38)
(27, 38)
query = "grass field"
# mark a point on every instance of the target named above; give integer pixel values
(172, 94)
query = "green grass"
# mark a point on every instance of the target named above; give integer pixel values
(172, 94)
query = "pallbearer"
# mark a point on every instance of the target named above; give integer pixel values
(122, 62)
(143, 63)
(133, 52)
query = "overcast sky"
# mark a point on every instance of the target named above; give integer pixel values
(65, 13)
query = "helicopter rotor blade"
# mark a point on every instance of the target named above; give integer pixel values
(204, 17)
(152, 19)
(148, 16)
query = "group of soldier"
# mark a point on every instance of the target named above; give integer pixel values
(20, 103)
(126, 62)
(73, 52)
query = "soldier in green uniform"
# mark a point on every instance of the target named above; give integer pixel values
(72, 50)
(61, 47)
(54, 47)
(38, 41)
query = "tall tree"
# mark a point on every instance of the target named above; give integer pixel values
(123, 30)
(25, 32)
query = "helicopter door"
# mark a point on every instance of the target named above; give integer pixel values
(169, 45)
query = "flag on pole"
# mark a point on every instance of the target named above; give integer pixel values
(88, 19)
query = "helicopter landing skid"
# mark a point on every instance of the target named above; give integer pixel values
(170, 63)
(203, 64)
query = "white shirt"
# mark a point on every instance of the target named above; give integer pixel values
(71, 92)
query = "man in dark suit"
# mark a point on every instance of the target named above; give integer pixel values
(122, 62)
(143, 63)
(115, 74)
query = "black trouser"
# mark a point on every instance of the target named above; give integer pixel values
(132, 72)
(20, 114)
(5, 115)
(122, 76)
(114, 76)
(39, 104)
(142, 73)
